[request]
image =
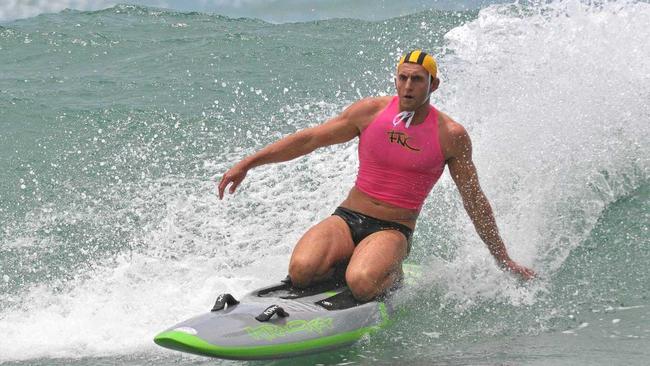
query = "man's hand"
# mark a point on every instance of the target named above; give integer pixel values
(521, 271)
(234, 175)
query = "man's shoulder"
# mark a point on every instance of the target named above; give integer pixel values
(450, 128)
(453, 137)
(370, 105)
(363, 111)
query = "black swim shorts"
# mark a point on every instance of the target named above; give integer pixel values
(362, 225)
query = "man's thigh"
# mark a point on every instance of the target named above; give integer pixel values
(378, 255)
(321, 247)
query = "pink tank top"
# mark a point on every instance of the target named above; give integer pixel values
(400, 165)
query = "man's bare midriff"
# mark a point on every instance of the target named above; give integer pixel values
(363, 203)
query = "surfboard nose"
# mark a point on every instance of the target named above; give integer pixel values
(182, 340)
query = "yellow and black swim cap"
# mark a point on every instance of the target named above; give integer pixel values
(421, 58)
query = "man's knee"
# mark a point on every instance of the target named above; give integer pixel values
(303, 269)
(363, 283)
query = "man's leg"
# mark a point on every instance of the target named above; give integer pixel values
(376, 264)
(324, 245)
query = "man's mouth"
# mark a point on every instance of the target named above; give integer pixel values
(408, 96)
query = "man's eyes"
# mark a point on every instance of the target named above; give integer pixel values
(413, 78)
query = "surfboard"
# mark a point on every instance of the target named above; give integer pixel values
(279, 321)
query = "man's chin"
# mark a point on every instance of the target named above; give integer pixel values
(407, 103)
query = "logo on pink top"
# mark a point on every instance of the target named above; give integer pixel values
(401, 138)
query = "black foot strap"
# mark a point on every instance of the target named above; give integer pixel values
(270, 311)
(223, 300)
(340, 301)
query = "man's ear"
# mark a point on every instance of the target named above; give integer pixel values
(435, 83)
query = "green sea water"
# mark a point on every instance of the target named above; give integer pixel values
(112, 123)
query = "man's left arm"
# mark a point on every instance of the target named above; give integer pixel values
(478, 208)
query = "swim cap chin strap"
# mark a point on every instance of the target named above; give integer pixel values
(404, 116)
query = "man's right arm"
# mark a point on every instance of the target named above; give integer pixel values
(339, 129)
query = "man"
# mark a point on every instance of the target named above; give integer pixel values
(404, 145)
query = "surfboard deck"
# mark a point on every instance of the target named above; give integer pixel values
(318, 318)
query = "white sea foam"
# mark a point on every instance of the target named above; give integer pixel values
(556, 101)
(200, 248)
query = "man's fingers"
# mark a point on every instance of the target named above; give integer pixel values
(222, 185)
(524, 272)
(234, 176)
(527, 273)
(234, 185)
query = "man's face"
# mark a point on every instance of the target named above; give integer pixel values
(412, 85)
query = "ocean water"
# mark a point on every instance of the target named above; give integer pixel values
(113, 121)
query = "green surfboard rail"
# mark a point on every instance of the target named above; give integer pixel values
(185, 342)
